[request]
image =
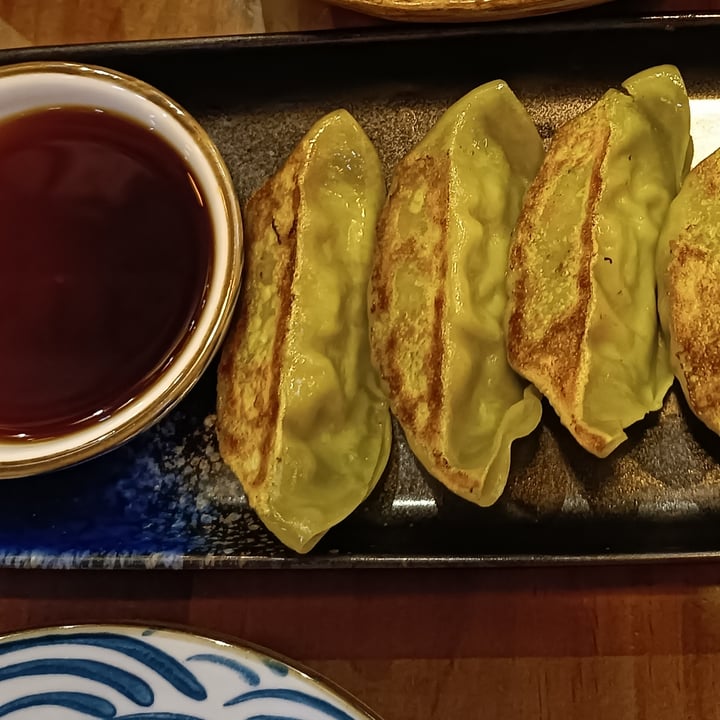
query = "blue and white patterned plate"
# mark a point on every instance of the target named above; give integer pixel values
(134, 673)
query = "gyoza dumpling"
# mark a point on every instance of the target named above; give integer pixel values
(301, 418)
(437, 293)
(689, 289)
(582, 317)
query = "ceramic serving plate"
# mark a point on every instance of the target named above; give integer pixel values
(135, 673)
(166, 499)
(462, 10)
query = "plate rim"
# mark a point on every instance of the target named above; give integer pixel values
(144, 52)
(449, 11)
(366, 35)
(216, 640)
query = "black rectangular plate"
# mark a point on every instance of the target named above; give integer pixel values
(167, 500)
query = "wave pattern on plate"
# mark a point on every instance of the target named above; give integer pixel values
(135, 675)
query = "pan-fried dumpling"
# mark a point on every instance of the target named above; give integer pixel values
(689, 289)
(302, 420)
(437, 292)
(582, 318)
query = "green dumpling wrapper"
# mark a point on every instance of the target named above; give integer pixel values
(582, 318)
(302, 420)
(438, 296)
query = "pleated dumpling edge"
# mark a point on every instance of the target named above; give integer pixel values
(438, 295)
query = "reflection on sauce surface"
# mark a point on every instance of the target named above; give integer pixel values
(105, 250)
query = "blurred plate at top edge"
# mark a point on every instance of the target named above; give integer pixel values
(461, 10)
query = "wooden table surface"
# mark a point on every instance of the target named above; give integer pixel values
(614, 642)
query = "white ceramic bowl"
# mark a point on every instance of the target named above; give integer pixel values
(34, 86)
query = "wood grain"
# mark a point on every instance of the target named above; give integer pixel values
(48, 22)
(74, 21)
(625, 642)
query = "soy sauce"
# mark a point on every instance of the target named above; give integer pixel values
(105, 253)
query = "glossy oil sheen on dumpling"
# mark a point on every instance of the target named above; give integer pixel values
(582, 321)
(689, 289)
(437, 293)
(301, 418)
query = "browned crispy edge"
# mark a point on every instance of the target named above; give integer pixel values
(555, 364)
(242, 429)
(426, 440)
(385, 262)
(694, 296)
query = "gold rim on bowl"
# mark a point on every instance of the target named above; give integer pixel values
(230, 283)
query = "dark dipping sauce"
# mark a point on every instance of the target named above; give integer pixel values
(105, 253)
